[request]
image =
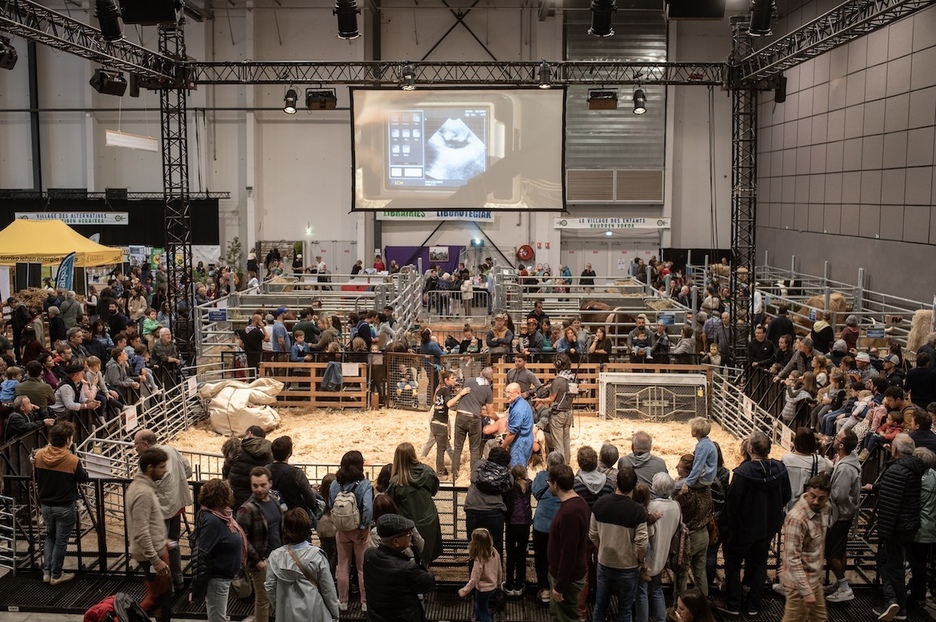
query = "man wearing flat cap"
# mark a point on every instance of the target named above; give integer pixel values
(392, 580)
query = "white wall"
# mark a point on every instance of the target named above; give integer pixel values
(286, 171)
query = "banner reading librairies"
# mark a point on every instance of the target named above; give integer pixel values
(467, 214)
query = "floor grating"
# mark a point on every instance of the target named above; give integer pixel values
(26, 592)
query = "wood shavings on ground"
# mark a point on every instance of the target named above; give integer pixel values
(321, 436)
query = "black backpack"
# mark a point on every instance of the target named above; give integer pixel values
(493, 479)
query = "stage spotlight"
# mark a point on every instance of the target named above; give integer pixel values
(321, 100)
(761, 13)
(109, 82)
(108, 16)
(290, 99)
(601, 11)
(7, 54)
(408, 77)
(640, 102)
(545, 75)
(347, 12)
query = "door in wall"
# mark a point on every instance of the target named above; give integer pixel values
(338, 255)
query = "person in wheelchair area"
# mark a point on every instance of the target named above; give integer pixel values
(554, 410)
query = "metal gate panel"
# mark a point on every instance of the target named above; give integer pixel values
(658, 397)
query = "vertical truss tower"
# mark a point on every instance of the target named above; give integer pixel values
(743, 192)
(173, 111)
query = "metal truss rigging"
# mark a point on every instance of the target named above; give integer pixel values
(848, 21)
(509, 73)
(35, 22)
(173, 113)
(743, 201)
(106, 196)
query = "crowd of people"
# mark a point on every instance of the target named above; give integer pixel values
(88, 368)
(616, 526)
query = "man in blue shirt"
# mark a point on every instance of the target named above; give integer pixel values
(519, 439)
(281, 340)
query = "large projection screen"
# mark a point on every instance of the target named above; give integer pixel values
(458, 149)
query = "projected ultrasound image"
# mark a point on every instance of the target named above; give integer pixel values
(454, 152)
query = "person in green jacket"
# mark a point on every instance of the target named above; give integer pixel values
(918, 553)
(412, 486)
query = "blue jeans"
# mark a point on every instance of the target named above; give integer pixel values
(650, 600)
(216, 599)
(482, 601)
(622, 583)
(59, 521)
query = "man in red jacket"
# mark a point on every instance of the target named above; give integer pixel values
(566, 551)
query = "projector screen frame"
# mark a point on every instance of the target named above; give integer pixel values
(435, 197)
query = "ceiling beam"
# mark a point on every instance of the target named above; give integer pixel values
(34, 22)
(429, 74)
(848, 21)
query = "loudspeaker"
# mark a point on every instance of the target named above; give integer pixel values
(109, 82)
(150, 12)
(696, 9)
(779, 94)
(28, 275)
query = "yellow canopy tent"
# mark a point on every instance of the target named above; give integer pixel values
(48, 242)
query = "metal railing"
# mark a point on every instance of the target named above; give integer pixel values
(216, 321)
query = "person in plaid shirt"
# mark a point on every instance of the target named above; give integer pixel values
(261, 519)
(801, 570)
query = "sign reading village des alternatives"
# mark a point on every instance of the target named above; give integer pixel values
(79, 218)
(611, 223)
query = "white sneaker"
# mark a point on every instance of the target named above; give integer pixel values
(779, 589)
(363, 607)
(841, 595)
(342, 606)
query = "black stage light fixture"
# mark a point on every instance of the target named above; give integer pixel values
(601, 11)
(347, 12)
(545, 75)
(321, 99)
(7, 54)
(602, 100)
(289, 101)
(150, 12)
(408, 77)
(761, 13)
(640, 101)
(109, 82)
(108, 16)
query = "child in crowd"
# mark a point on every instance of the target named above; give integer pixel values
(713, 357)
(884, 435)
(519, 521)
(799, 388)
(407, 385)
(139, 367)
(858, 420)
(300, 349)
(150, 326)
(8, 387)
(486, 574)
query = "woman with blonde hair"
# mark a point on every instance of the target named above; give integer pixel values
(412, 487)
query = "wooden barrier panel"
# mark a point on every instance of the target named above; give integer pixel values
(586, 375)
(304, 385)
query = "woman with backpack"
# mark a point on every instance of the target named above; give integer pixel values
(804, 462)
(352, 497)
(484, 502)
